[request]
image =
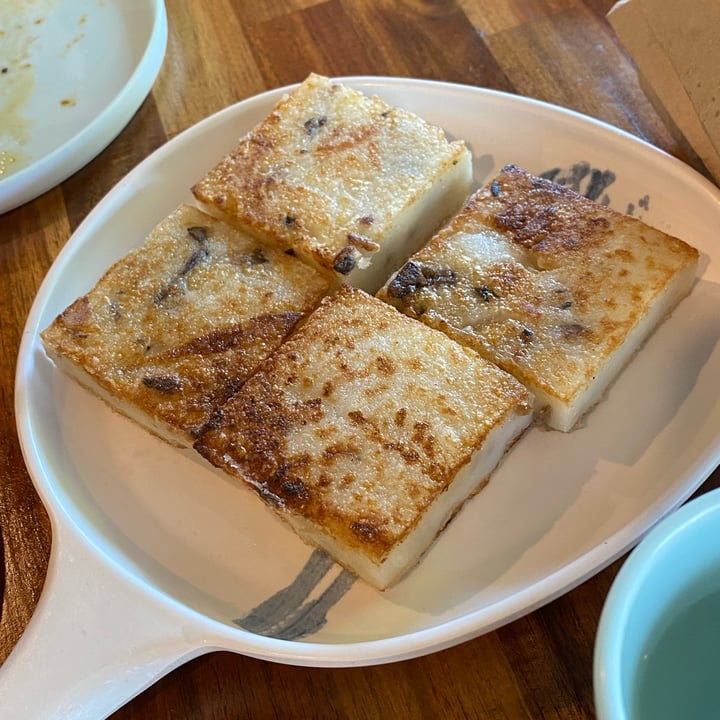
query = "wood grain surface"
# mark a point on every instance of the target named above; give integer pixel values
(220, 52)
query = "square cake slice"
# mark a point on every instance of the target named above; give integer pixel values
(554, 288)
(366, 431)
(177, 325)
(342, 179)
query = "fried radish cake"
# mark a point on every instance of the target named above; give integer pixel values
(554, 288)
(345, 181)
(177, 325)
(366, 431)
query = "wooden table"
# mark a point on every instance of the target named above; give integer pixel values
(219, 52)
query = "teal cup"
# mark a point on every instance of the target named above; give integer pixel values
(657, 651)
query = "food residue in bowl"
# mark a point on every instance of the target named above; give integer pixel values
(23, 33)
(18, 21)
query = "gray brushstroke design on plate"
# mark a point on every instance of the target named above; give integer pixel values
(288, 614)
(592, 183)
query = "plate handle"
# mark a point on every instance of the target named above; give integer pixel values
(97, 639)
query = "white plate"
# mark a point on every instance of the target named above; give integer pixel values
(560, 508)
(72, 74)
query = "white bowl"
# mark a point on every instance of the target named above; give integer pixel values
(90, 65)
(657, 651)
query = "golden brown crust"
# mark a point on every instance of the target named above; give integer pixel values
(541, 280)
(328, 173)
(360, 421)
(176, 326)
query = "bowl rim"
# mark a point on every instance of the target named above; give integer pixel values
(632, 579)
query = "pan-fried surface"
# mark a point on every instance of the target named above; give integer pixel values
(175, 327)
(356, 428)
(344, 180)
(554, 288)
